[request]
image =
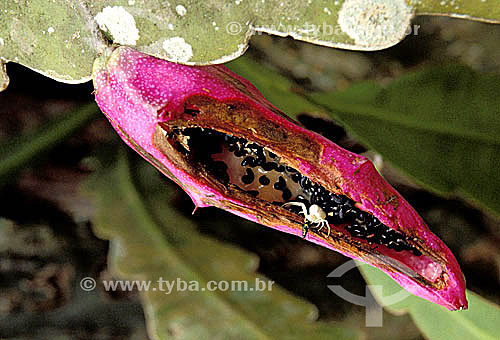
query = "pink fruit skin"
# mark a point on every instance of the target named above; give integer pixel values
(136, 91)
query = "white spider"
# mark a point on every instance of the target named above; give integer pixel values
(315, 215)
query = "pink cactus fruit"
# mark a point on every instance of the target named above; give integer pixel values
(216, 136)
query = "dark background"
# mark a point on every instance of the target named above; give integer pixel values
(46, 242)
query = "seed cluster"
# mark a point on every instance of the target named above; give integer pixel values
(341, 210)
(259, 164)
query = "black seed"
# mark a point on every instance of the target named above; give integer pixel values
(357, 233)
(280, 184)
(302, 199)
(264, 180)
(319, 199)
(399, 247)
(347, 203)
(269, 166)
(357, 217)
(254, 146)
(240, 152)
(343, 210)
(296, 177)
(336, 199)
(254, 193)
(392, 234)
(250, 161)
(261, 160)
(248, 177)
(377, 227)
(314, 188)
(287, 194)
(360, 225)
(371, 222)
(314, 199)
(305, 183)
(324, 205)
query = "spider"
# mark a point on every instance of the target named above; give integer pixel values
(315, 215)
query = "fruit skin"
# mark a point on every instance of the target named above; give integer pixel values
(136, 92)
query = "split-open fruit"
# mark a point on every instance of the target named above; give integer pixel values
(215, 135)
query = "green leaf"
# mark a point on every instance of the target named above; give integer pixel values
(56, 38)
(440, 126)
(480, 321)
(481, 10)
(20, 152)
(152, 240)
(203, 32)
(62, 38)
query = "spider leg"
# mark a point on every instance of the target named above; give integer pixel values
(322, 224)
(306, 226)
(329, 229)
(304, 210)
(319, 225)
(298, 204)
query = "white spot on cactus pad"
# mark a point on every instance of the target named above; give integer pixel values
(178, 49)
(119, 23)
(375, 23)
(181, 10)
